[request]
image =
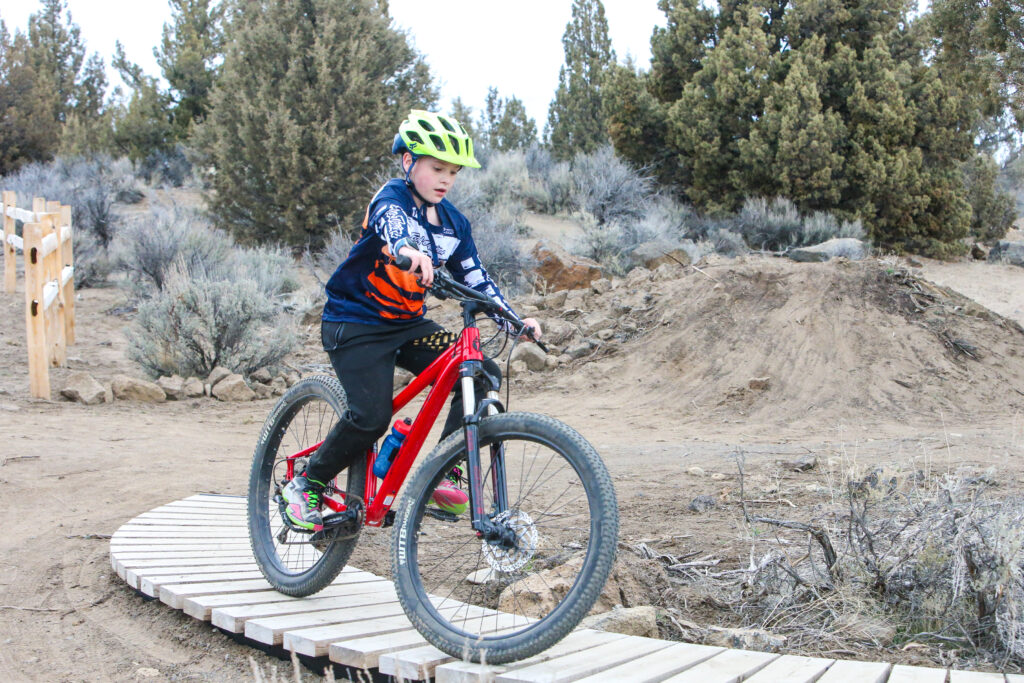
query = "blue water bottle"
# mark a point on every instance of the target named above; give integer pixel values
(390, 446)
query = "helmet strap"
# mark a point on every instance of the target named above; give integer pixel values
(409, 183)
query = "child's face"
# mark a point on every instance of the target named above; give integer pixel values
(432, 177)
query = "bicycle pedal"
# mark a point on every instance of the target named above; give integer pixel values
(442, 515)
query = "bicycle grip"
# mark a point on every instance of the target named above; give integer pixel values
(403, 262)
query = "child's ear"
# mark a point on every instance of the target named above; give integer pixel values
(406, 161)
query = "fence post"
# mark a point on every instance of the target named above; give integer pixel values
(10, 264)
(55, 334)
(35, 324)
(67, 273)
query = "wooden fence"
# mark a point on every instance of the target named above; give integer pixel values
(46, 245)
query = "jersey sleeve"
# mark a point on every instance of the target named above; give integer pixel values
(391, 223)
(465, 267)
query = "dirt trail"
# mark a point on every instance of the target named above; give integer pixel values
(856, 376)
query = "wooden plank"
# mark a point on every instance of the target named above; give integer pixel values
(901, 673)
(1014, 678)
(657, 666)
(730, 666)
(577, 641)
(270, 630)
(367, 594)
(315, 641)
(68, 288)
(150, 545)
(173, 533)
(419, 663)
(201, 606)
(176, 594)
(975, 677)
(35, 325)
(222, 557)
(845, 670)
(10, 261)
(150, 585)
(191, 520)
(365, 653)
(575, 666)
(133, 576)
(793, 669)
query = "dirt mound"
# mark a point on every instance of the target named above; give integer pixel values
(772, 342)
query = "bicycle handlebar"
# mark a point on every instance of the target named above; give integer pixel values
(444, 286)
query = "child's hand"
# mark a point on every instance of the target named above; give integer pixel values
(420, 262)
(534, 326)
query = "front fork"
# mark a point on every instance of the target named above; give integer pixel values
(482, 522)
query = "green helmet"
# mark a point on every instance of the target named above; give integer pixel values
(424, 133)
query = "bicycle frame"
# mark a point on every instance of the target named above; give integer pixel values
(441, 376)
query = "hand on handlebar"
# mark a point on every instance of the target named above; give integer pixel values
(531, 326)
(418, 262)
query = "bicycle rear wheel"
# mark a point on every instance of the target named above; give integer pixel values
(503, 602)
(295, 562)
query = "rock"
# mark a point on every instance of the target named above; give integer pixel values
(262, 376)
(702, 504)
(579, 350)
(262, 390)
(555, 300)
(84, 388)
(127, 388)
(759, 383)
(551, 362)
(1006, 251)
(558, 269)
(695, 471)
(914, 263)
(979, 252)
(848, 247)
(173, 386)
(602, 286)
(633, 621)
(233, 388)
(278, 386)
(531, 355)
(598, 320)
(194, 388)
(292, 378)
(637, 275)
(865, 628)
(216, 375)
(482, 576)
(655, 253)
(804, 463)
(745, 639)
(605, 334)
(517, 369)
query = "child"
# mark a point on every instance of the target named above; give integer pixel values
(374, 316)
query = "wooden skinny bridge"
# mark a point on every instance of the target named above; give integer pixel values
(194, 555)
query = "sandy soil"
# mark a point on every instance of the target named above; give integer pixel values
(671, 395)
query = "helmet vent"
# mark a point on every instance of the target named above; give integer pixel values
(438, 142)
(455, 143)
(426, 125)
(415, 137)
(448, 126)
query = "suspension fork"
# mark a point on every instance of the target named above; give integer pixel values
(482, 523)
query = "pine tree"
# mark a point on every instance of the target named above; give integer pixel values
(463, 113)
(188, 56)
(28, 129)
(303, 114)
(576, 122)
(504, 123)
(56, 50)
(144, 124)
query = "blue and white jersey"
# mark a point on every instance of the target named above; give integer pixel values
(368, 288)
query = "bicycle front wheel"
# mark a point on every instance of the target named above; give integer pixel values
(296, 562)
(502, 601)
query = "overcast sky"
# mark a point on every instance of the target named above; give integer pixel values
(515, 46)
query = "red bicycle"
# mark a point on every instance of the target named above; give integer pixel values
(542, 516)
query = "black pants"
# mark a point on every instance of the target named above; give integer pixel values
(364, 359)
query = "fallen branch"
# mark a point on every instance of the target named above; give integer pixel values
(816, 532)
(30, 609)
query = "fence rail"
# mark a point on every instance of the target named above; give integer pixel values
(46, 246)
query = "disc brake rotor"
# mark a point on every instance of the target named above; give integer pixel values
(508, 560)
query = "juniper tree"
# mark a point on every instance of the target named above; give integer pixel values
(189, 52)
(504, 123)
(303, 114)
(463, 113)
(144, 124)
(28, 129)
(576, 122)
(831, 104)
